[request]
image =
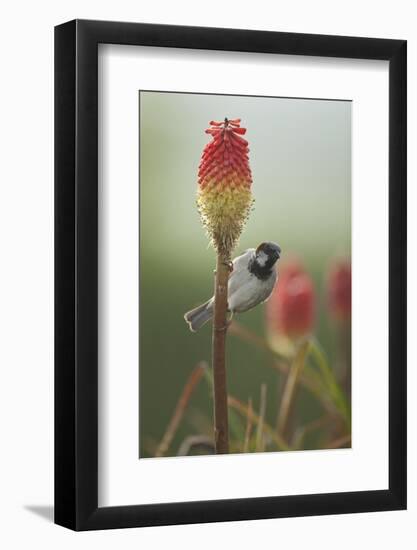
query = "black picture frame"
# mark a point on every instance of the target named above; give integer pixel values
(76, 272)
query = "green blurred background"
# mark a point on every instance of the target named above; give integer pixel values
(300, 155)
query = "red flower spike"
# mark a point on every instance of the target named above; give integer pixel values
(226, 145)
(224, 179)
(339, 290)
(290, 310)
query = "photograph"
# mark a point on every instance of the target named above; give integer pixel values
(245, 274)
(209, 260)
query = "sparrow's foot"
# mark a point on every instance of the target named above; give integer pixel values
(229, 265)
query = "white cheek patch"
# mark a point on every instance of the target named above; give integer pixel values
(262, 258)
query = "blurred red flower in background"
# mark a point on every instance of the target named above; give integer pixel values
(339, 290)
(291, 307)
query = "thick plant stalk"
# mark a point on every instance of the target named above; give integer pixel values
(221, 424)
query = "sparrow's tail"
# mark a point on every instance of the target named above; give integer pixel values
(198, 316)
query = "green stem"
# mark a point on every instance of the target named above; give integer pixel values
(290, 390)
(329, 379)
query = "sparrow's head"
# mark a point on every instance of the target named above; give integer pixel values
(267, 253)
(265, 258)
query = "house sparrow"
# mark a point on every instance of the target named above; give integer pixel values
(251, 282)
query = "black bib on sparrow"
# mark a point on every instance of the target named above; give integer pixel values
(262, 268)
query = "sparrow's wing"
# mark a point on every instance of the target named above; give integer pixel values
(240, 270)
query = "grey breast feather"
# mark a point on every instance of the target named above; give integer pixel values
(240, 266)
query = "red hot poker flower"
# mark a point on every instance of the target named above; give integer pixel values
(290, 310)
(224, 184)
(339, 290)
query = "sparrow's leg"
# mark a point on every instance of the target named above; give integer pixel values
(229, 265)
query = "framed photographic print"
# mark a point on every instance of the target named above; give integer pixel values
(230, 274)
